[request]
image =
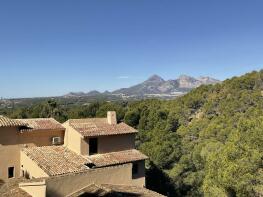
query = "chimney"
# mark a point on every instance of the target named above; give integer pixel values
(111, 116)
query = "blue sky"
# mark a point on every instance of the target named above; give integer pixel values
(49, 47)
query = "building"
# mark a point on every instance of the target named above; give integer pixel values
(42, 188)
(17, 134)
(78, 156)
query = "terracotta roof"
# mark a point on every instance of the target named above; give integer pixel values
(114, 190)
(41, 124)
(16, 192)
(11, 189)
(7, 122)
(57, 160)
(92, 189)
(115, 158)
(99, 127)
(134, 190)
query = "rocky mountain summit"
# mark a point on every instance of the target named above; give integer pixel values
(185, 81)
(154, 86)
(157, 85)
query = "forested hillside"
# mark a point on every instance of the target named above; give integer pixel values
(208, 142)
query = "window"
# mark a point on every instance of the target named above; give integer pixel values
(90, 165)
(93, 146)
(135, 169)
(11, 171)
(56, 140)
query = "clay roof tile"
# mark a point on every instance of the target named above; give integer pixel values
(99, 127)
(8, 122)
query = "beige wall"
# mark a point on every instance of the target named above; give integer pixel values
(11, 141)
(67, 184)
(9, 151)
(30, 168)
(77, 143)
(73, 139)
(35, 189)
(40, 138)
(111, 143)
(118, 175)
(115, 143)
(9, 135)
(12, 136)
(9, 157)
(84, 147)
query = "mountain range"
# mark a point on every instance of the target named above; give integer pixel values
(154, 86)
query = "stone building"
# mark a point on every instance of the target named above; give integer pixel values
(68, 159)
(18, 134)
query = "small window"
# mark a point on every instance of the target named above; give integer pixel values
(11, 171)
(135, 169)
(93, 146)
(90, 165)
(56, 140)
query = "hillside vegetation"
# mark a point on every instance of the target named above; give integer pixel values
(206, 143)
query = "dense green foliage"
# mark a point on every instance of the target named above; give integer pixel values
(206, 143)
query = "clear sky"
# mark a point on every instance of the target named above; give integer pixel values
(51, 47)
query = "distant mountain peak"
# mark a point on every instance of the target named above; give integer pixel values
(75, 94)
(93, 93)
(204, 77)
(156, 78)
(208, 80)
(155, 86)
(185, 77)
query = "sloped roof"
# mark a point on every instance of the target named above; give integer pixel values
(11, 189)
(57, 160)
(7, 122)
(114, 190)
(92, 189)
(92, 127)
(130, 189)
(115, 158)
(16, 192)
(41, 124)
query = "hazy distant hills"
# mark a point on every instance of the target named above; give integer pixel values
(155, 86)
(80, 94)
